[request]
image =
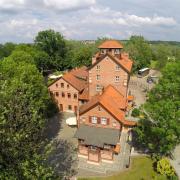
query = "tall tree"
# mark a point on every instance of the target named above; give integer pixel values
(54, 45)
(23, 115)
(160, 130)
(140, 51)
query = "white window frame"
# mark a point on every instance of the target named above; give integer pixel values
(118, 67)
(103, 51)
(117, 78)
(103, 121)
(117, 51)
(98, 77)
(98, 87)
(98, 67)
(94, 120)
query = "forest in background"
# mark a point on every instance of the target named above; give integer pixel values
(51, 52)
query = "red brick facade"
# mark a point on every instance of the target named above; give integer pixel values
(107, 72)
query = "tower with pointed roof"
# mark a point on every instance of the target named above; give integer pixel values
(109, 66)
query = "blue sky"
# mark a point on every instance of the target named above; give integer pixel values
(20, 20)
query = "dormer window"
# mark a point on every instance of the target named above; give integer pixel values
(117, 51)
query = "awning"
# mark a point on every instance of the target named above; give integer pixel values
(97, 136)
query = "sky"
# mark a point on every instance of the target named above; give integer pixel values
(21, 20)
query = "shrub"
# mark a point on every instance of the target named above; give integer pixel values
(135, 112)
(164, 167)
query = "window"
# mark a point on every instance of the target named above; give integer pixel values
(106, 146)
(98, 67)
(63, 95)
(75, 96)
(67, 86)
(62, 85)
(57, 94)
(116, 78)
(97, 77)
(56, 85)
(117, 67)
(116, 51)
(103, 51)
(104, 121)
(94, 119)
(99, 108)
(69, 107)
(98, 87)
(125, 82)
(69, 95)
(114, 124)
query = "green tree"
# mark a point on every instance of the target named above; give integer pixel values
(23, 116)
(140, 51)
(31, 54)
(53, 44)
(160, 130)
(78, 54)
(6, 49)
(162, 54)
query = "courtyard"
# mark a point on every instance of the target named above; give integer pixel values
(59, 131)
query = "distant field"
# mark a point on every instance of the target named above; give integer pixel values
(141, 169)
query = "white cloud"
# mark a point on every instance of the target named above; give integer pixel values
(156, 20)
(85, 19)
(63, 5)
(9, 4)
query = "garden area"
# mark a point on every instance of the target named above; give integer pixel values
(141, 169)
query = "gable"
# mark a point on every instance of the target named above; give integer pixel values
(125, 64)
(56, 86)
(99, 111)
(106, 62)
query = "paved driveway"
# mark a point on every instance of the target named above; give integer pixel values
(67, 132)
(139, 87)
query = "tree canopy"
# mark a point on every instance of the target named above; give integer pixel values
(23, 115)
(53, 44)
(140, 52)
(160, 129)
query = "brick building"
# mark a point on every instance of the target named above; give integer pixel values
(98, 96)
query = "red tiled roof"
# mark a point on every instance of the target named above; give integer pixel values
(112, 101)
(78, 79)
(84, 95)
(80, 72)
(110, 44)
(124, 61)
(74, 81)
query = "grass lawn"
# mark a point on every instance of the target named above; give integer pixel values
(141, 169)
